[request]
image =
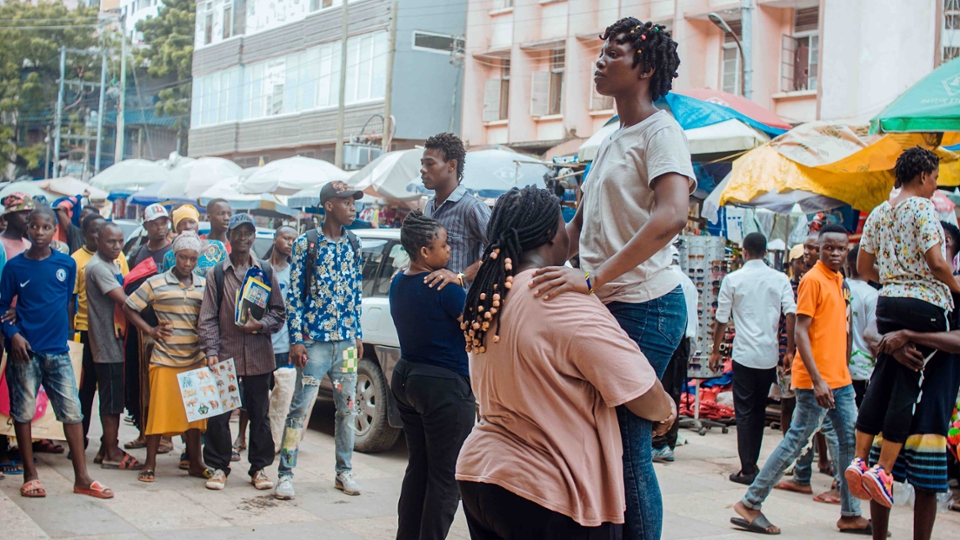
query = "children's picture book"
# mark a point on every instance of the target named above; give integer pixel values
(252, 296)
(210, 391)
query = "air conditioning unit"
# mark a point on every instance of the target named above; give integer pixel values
(357, 155)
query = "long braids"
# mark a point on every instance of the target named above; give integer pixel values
(655, 48)
(522, 220)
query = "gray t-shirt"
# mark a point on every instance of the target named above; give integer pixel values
(102, 277)
(281, 340)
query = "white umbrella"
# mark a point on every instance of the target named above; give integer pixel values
(70, 186)
(491, 172)
(389, 174)
(189, 179)
(130, 176)
(728, 136)
(32, 189)
(290, 175)
(228, 189)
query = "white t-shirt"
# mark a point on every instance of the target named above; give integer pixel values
(692, 298)
(618, 201)
(863, 306)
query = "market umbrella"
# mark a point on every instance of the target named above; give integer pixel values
(290, 175)
(737, 103)
(726, 137)
(32, 189)
(266, 204)
(130, 176)
(781, 203)
(190, 179)
(489, 173)
(69, 186)
(930, 105)
(389, 175)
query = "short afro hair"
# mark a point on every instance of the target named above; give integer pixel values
(655, 49)
(912, 162)
(833, 228)
(755, 244)
(451, 147)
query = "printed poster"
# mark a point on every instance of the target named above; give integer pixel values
(210, 391)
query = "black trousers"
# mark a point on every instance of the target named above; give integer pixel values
(218, 442)
(860, 389)
(438, 411)
(88, 384)
(131, 377)
(494, 513)
(751, 389)
(894, 389)
(673, 381)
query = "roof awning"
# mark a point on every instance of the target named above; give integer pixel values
(544, 44)
(498, 53)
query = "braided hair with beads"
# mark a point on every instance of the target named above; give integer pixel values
(418, 231)
(522, 220)
(655, 49)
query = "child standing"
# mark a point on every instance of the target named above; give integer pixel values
(903, 249)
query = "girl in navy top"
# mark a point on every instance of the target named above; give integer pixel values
(431, 382)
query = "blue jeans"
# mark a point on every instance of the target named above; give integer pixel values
(807, 418)
(657, 326)
(55, 373)
(803, 471)
(322, 359)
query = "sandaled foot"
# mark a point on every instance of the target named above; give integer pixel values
(46, 446)
(33, 490)
(139, 442)
(126, 463)
(856, 525)
(147, 475)
(166, 446)
(96, 490)
(753, 520)
(828, 497)
(790, 485)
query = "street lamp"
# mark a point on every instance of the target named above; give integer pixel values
(722, 25)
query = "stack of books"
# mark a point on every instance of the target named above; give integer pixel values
(252, 296)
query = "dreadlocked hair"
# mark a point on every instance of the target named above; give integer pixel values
(655, 48)
(418, 231)
(912, 162)
(522, 220)
(451, 147)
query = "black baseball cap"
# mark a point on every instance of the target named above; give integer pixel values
(338, 189)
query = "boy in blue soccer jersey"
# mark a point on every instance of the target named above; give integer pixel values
(42, 281)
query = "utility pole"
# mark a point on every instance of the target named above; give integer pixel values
(59, 115)
(746, 30)
(344, 30)
(388, 92)
(118, 147)
(103, 86)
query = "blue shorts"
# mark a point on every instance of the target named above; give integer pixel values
(55, 372)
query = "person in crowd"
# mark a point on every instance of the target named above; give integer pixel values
(103, 293)
(323, 314)
(675, 377)
(431, 382)
(219, 213)
(175, 297)
(923, 460)
(634, 203)
(821, 381)
(545, 460)
(91, 226)
(187, 218)
(463, 216)
(17, 207)
(756, 296)
(903, 249)
(787, 399)
(251, 349)
(42, 280)
(811, 250)
(156, 223)
(864, 336)
(68, 222)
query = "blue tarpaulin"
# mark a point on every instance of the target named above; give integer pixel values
(694, 113)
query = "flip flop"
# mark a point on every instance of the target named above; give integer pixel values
(96, 490)
(98, 459)
(147, 475)
(759, 525)
(33, 490)
(127, 463)
(165, 447)
(235, 456)
(793, 487)
(11, 467)
(135, 444)
(827, 498)
(745, 479)
(46, 446)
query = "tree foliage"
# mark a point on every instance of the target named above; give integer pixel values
(168, 50)
(31, 37)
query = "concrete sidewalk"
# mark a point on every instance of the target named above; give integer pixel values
(697, 498)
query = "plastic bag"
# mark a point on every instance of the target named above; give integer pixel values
(904, 495)
(284, 381)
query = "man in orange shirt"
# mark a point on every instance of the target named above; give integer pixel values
(821, 380)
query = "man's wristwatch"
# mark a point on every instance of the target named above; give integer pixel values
(461, 280)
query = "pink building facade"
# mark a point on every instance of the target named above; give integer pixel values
(529, 63)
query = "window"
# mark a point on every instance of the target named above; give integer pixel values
(366, 67)
(438, 43)
(949, 53)
(496, 94)
(557, 60)
(731, 69)
(323, 4)
(502, 4)
(227, 21)
(504, 88)
(599, 102)
(239, 17)
(799, 63)
(208, 29)
(373, 251)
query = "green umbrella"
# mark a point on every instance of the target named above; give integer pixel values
(933, 104)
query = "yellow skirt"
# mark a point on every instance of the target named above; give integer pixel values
(167, 416)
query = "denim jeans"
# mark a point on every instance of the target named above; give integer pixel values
(55, 373)
(803, 471)
(657, 326)
(807, 418)
(322, 359)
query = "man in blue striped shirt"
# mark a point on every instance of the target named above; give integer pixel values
(463, 216)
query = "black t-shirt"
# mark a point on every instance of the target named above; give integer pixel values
(143, 252)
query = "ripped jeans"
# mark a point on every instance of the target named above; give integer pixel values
(322, 359)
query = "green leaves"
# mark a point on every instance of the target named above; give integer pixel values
(169, 51)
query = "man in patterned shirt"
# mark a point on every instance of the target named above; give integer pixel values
(323, 314)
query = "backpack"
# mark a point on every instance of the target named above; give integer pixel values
(313, 236)
(218, 275)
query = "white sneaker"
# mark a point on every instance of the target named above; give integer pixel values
(347, 483)
(284, 490)
(217, 481)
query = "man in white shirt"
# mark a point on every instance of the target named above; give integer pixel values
(755, 295)
(865, 337)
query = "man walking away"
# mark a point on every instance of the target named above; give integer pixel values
(463, 216)
(756, 295)
(251, 349)
(323, 312)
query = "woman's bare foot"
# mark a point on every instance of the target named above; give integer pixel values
(852, 523)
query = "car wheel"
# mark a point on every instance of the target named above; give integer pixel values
(374, 433)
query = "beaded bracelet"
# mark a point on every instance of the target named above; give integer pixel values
(589, 285)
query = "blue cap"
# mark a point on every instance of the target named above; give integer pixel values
(240, 219)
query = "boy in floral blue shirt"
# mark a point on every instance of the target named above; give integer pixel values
(323, 312)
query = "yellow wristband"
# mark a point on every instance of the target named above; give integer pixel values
(589, 285)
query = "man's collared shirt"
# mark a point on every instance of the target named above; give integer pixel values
(219, 334)
(756, 295)
(465, 219)
(334, 301)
